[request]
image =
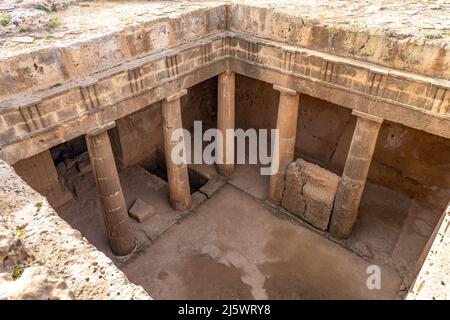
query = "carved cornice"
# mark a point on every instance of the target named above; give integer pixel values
(30, 116)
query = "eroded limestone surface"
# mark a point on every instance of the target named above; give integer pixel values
(36, 283)
(233, 247)
(433, 281)
(409, 20)
(21, 275)
(53, 22)
(100, 62)
(25, 16)
(409, 35)
(63, 250)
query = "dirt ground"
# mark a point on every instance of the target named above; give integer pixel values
(234, 246)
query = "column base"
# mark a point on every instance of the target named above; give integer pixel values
(276, 188)
(181, 204)
(129, 255)
(225, 170)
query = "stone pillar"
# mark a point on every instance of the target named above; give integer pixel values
(225, 120)
(287, 128)
(177, 174)
(109, 191)
(353, 180)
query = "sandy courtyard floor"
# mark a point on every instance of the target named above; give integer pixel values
(234, 246)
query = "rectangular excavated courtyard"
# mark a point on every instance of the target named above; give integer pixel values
(235, 246)
(356, 202)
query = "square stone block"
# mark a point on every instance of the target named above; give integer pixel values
(141, 210)
(309, 192)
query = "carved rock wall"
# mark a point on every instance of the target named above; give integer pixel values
(21, 275)
(89, 274)
(309, 192)
(413, 162)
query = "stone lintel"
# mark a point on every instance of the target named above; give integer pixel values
(29, 101)
(285, 90)
(101, 129)
(228, 71)
(177, 95)
(379, 70)
(87, 82)
(367, 116)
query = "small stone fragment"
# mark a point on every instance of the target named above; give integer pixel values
(141, 210)
(212, 185)
(36, 283)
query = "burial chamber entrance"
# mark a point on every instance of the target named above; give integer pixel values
(350, 210)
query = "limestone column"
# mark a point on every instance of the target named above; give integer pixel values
(287, 129)
(225, 120)
(177, 174)
(353, 180)
(109, 192)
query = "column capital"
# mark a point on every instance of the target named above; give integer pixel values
(367, 116)
(285, 90)
(228, 72)
(102, 128)
(177, 95)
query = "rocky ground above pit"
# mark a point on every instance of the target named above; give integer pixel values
(22, 277)
(43, 257)
(417, 21)
(21, 16)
